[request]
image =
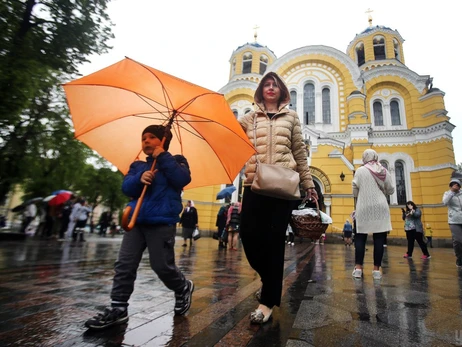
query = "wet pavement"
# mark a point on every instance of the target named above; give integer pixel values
(49, 288)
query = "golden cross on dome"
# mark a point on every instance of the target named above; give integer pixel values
(369, 17)
(256, 34)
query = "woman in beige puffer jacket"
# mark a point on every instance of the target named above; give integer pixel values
(264, 219)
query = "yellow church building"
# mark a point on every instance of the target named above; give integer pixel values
(348, 102)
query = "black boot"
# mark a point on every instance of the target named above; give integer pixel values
(81, 239)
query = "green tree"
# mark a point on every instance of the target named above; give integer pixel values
(43, 43)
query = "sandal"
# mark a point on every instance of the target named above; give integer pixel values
(257, 317)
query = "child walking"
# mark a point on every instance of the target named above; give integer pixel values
(155, 228)
(429, 235)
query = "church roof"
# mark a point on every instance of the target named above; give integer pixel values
(375, 27)
(254, 44)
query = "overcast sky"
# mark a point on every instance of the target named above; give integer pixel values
(194, 40)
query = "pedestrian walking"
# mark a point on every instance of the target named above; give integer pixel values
(429, 235)
(189, 221)
(155, 227)
(30, 212)
(65, 216)
(278, 140)
(371, 184)
(80, 216)
(453, 200)
(412, 217)
(222, 217)
(233, 222)
(347, 232)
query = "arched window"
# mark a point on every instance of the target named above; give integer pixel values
(309, 103)
(263, 63)
(400, 183)
(378, 113)
(293, 100)
(247, 63)
(385, 165)
(360, 56)
(379, 48)
(235, 113)
(394, 110)
(396, 49)
(326, 116)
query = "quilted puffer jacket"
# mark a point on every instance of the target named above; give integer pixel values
(279, 141)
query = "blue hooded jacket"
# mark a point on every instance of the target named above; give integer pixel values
(162, 201)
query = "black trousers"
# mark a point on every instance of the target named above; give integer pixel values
(412, 236)
(264, 223)
(360, 247)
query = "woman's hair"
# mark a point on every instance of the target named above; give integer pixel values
(285, 95)
(414, 206)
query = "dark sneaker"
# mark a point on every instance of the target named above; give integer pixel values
(184, 299)
(110, 317)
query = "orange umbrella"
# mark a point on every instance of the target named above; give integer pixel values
(111, 107)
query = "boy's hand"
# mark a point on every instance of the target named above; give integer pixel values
(147, 177)
(157, 150)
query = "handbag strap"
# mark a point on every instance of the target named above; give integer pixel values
(255, 137)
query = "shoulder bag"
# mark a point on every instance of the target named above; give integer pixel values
(272, 180)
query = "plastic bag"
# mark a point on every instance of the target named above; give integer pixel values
(196, 234)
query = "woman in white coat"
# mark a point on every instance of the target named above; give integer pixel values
(371, 184)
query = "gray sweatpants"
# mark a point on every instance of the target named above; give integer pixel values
(160, 242)
(456, 231)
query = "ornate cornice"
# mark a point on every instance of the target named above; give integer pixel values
(437, 113)
(418, 81)
(436, 167)
(321, 50)
(439, 93)
(239, 84)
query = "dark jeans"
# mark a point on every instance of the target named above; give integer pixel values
(412, 236)
(291, 237)
(264, 223)
(63, 227)
(360, 247)
(160, 242)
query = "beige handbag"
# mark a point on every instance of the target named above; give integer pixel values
(272, 180)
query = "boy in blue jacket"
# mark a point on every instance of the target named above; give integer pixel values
(155, 228)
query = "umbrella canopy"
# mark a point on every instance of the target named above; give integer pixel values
(60, 198)
(226, 192)
(21, 207)
(49, 197)
(56, 192)
(111, 107)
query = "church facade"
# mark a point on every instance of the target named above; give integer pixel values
(348, 102)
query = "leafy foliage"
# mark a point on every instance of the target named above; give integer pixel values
(43, 42)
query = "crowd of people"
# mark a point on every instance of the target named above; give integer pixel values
(64, 221)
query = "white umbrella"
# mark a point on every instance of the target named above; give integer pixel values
(48, 198)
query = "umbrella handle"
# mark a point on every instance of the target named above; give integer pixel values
(126, 225)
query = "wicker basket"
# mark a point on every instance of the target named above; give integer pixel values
(307, 226)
